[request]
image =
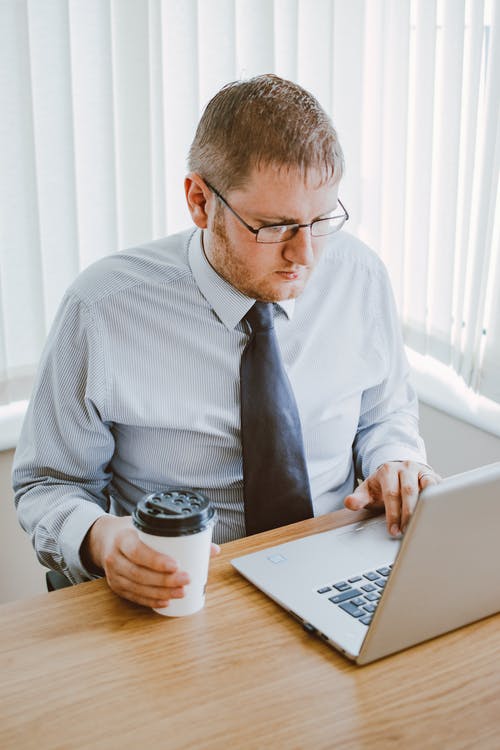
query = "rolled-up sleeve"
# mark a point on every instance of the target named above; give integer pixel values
(60, 472)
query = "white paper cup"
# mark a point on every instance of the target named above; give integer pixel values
(179, 523)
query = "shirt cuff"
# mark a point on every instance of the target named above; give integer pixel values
(71, 538)
(393, 453)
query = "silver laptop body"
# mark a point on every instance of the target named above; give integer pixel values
(445, 571)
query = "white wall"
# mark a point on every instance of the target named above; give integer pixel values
(20, 573)
(452, 446)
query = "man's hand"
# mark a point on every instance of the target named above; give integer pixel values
(395, 485)
(132, 569)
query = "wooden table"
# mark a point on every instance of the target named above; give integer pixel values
(81, 668)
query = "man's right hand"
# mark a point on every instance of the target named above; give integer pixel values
(132, 569)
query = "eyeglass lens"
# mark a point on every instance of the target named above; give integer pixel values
(319, 228)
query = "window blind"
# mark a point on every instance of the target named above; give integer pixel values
(100, 100)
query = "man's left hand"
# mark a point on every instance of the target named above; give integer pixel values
(395, 485)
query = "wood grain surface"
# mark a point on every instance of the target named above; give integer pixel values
(81, 668)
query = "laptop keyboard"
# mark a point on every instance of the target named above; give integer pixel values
(358, 595)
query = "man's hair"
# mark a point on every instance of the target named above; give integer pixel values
(264, 121)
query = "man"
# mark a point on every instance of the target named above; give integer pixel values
(139, 386)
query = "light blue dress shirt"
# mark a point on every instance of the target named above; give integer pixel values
(138, 389)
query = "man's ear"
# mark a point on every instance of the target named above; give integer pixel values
(197, 197)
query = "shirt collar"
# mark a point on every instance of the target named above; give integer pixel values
(229, 304)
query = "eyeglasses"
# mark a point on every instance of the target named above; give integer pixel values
(284, 232)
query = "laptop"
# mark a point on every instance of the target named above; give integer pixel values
(369, 595)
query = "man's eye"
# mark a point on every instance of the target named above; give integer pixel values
(277, 229)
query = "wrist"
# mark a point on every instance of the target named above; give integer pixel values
(91, 550)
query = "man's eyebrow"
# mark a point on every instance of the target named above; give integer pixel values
(278, 220)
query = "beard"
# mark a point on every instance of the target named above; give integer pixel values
(224, 258)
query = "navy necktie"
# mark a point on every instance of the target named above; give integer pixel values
(276, 484)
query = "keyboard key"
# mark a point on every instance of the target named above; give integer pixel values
(324, 590)
(373, 596)
(341, 586)
(366, 620)
(370, 607)
(368, 587)
(359, 601)
(351, 609)
(344, 596)
(355, 579)
(380, 583)
(383, 571)
(370, 576)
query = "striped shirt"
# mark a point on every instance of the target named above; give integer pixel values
(138, 389)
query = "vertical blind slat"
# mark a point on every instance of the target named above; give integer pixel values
(346, 93)
(254, 37)
(489, 376)
(473, 46)
(132, 113)
(370, 114)
(93, 121)
(394, 135)
(181, 100)
(217, 32)
(53, 134)
(21, 270)
(156, 110)
(418, 184)
(445, 159)
(315, 27)
(485, 202)
(286, 38)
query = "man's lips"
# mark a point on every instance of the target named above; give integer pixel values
(291, 275)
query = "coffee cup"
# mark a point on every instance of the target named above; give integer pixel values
(179, 523)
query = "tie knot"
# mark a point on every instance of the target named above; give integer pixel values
(260, 316)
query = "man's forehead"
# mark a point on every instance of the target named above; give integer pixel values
(283, 194)
(312, 178)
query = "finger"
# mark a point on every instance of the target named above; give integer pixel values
(128, 570)
(429, 479)
(149, 596)
(362, 497)
(389, 485)
(139, 553)
(408, 485)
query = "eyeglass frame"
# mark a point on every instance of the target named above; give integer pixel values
(273, 226)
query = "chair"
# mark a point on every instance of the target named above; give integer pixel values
(56, 580)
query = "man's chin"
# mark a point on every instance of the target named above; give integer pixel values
(280, 292)
(290, 289)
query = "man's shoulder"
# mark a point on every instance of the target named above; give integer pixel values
(160, 262)
(349, 252)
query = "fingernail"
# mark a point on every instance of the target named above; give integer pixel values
(395, 529)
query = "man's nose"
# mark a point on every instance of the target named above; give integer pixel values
(299, 249)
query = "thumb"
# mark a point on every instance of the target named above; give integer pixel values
(360, 498)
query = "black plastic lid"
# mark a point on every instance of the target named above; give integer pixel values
(173, 512)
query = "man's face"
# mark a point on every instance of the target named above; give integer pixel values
(269, 272)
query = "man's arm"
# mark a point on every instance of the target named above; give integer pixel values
(388, 450)
(61, 470)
